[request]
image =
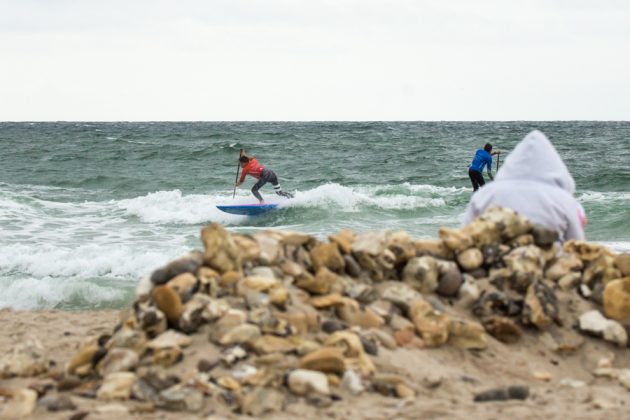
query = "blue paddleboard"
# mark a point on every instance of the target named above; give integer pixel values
(248, 209)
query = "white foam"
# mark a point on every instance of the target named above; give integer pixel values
(352, 199)
(603, 197)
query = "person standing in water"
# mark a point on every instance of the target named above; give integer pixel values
(475, 169)
(252, 167)
(536, 183)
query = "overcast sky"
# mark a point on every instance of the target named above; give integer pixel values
(314, 60)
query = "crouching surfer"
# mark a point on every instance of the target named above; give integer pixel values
(252, 167)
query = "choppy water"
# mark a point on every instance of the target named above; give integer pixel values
(88, 208)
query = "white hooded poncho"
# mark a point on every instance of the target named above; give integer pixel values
(535, 182)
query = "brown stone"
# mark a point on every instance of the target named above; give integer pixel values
(432, 325)
(470, 259)
(327, 301)
(622, 262)
(326, 359)
(344, 240)
(353, 314)
(617, 299)
(168, 301)
(321, 284)
(221, 252)
(273, 344)
(502, 328)
(327, 255)
(433, 247)
(184, 284)
(230, 278)
(468, 335)
(541, 305)
(455, 239)
(421, 273)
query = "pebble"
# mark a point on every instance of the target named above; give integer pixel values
(513, 392)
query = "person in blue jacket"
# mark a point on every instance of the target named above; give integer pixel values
(482, 158)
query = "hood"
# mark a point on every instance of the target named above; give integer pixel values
(535, 158)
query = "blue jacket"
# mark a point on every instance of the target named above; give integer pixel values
(481, 159)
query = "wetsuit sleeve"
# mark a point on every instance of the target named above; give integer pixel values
(245, 172)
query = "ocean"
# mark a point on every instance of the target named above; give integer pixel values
(86, 209)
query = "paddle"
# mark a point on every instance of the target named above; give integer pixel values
(498, 159)
(238, 168)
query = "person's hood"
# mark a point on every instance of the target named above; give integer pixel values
(535, 158)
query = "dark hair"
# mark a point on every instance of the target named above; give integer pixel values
(243, 159)
(487, 147)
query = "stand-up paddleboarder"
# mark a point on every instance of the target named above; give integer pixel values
(483, 158)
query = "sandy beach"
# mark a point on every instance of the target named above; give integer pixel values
(446, 378)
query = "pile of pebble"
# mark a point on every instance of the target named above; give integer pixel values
(256, 322)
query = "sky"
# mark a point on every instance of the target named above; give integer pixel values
(288, 60)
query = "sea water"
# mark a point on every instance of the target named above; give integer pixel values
(86, 209)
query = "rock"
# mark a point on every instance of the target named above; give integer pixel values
(352, 266)
(230, 278)
(241, 334)
(21, 404)
(292, 268)
(450, 279)
(185, 285)
(600, 271)
(193, 312)
(563, 265)
(143, 289)
(622, 262)
(327, 255)
(157, 378)
(542, 375)
(468, 292)
(221, 252)
(27, 358)
(594, 323)
(541, 305)
(570, 281)
(57, 403)
(151, 320)
(128, 337)
(383, 338)
(260, 284)
(181, 398)
(467, 335)
(434, 248)
(509, 222)
(262, 400)
(470, 259)
(328, 301)
(272, 344)
(303, 382)
(502, 328)
(170, 338)
(168, 301)
(351, 313)
(118, 360)
(455, 239)
(544, 237)
(326, 359)
(270, 248)
(586, 251)
(526, 264)
(399, 294)
(344, 240)
(617, 299)
(248, 247)
(483, 232)
(389, 384)
(513, 392)
(402, 246)
(432, 325)
(496, 303)
(187, 264)
(321, 284)
(116, 386)
(351, 382)
(421, 273)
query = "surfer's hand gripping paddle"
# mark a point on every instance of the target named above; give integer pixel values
(238, 168)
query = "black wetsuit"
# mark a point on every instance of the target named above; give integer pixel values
(269, 176)
(476, 178)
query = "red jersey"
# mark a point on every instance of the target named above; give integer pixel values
(252, 168)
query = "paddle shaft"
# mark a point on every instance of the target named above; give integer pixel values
(238, 168)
